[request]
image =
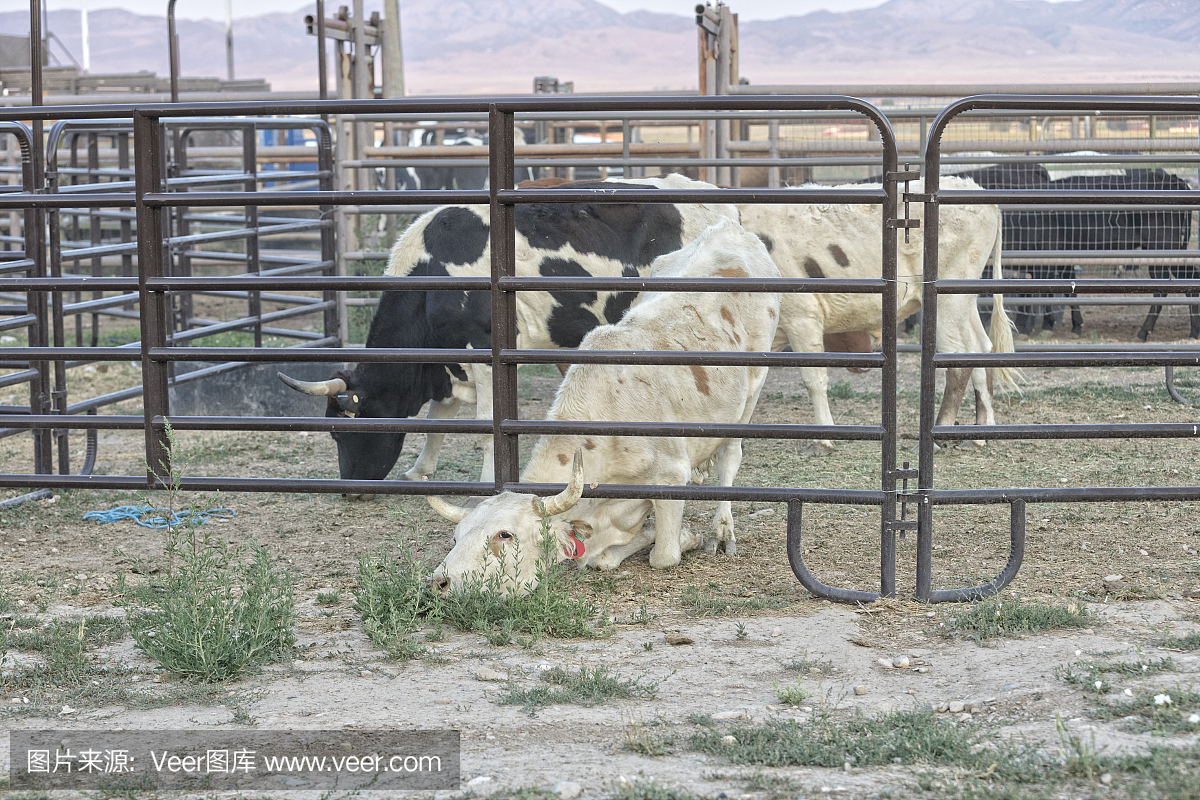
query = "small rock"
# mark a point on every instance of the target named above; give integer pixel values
(739, 714)
(489, 674)
(772, 708)
(956, 707)
(806, 709)
(479, 779)
(942, 708)
(1106, 779)
(67, 710)
(678, 639)
(567, 790)
(814, 670)
(1087, 631)
(901, 662)
(963, 717)
(729, 740)
(860, 690)
(366, 673)
(973, 707)
(762, 512)
(777, 632)
(922, 670)
(886, 663)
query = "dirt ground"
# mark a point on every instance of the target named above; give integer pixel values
(50, 558)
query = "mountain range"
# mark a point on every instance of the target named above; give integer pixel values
(499, 46)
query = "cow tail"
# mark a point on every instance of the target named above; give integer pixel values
(1002, 326)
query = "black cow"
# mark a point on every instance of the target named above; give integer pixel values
(1122, 229)
(581, 239)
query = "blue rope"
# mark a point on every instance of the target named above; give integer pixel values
(145, 516)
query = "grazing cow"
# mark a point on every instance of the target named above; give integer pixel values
(501, 536)
(843, 241)
(1122, 229)
(560, 239)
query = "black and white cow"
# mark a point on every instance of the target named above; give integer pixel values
(559, 239)
(1121, 229)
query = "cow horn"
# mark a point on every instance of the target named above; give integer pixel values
(329, 388)
(455, 514)
(567, 498)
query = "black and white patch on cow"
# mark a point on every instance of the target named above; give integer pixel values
(601, 239)
(501, 536)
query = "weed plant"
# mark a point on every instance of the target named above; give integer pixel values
(587, 687)
(396, 601)
(698, 602)
(216, 611)
(1000, 617)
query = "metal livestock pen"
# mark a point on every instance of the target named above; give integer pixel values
(160, 285)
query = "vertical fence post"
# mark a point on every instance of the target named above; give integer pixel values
(929, 308)
(887, 532)
(501, 143)
(148, 150)
(250, 163)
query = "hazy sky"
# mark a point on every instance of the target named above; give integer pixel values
(215, 9)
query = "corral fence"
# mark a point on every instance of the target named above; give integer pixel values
(174, 207)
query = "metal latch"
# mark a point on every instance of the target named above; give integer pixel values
(904, 523)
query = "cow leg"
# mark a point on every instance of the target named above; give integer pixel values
(1193, 318)
(612, 557)
(729, 459)
(427, 462)
(1150, 321)
(802, 322)
(956, 388)
(669, 536)
(483, 410)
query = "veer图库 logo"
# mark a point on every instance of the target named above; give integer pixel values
(259, 760)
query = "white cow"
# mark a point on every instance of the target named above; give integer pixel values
(501, 535)
(844, 241)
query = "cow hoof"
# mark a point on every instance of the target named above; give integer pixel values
(818, 449)
(710, 547)
(1077, 330)
(414, 475)
(360, 497)
(730, 548)
(1142, 336)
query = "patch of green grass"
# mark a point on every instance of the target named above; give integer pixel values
(806, 664)
(239, 339)
(524, 793)
(792, 694)
(998, 617)
(215, 611)
(698, 602)
(1163, 711)
(1185, 643)
(1089, 675)
(905, 737)
(649, 790)
(396, 601)
(1164, 773)
(329, 598)
(587, 687)
(540, 370)
(27, 634)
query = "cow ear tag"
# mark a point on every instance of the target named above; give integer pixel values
(575, 544)
(349, 402)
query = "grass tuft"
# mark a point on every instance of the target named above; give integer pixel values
(698, 602)
(587, 687)
(999, 617)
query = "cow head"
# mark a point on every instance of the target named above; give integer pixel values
(499, 542)
(361, 456)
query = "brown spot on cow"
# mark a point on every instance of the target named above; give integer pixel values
(812, 268)
(728, 317)
(731, 272)
(771, 313)
(839, 255)
(582, 529)
(701, 378)
(562, 459)
(589, 445)
(849, 342)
